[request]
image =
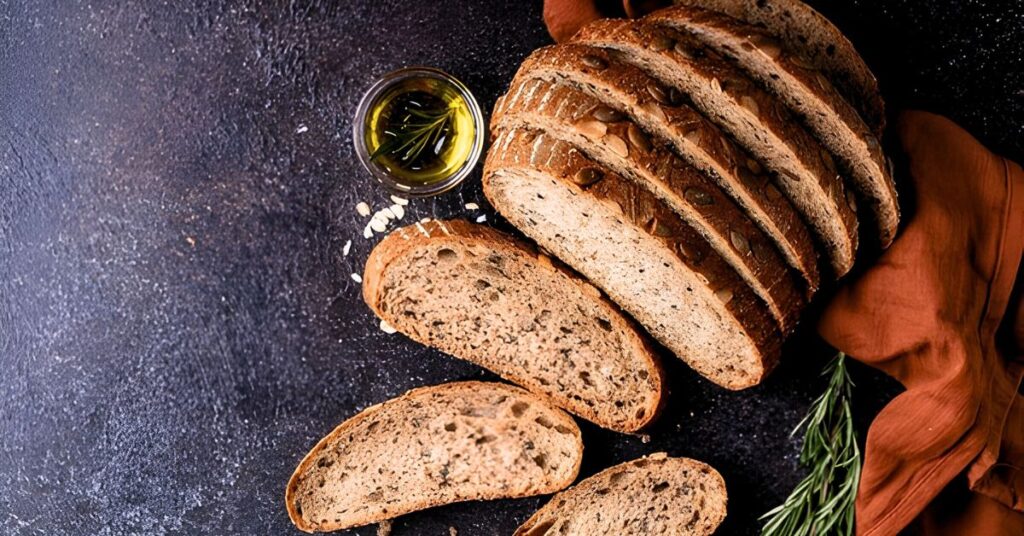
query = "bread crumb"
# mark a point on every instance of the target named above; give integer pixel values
(387, 328)
(472, 206)
(301, 129)
(347, 248)
(645, 438)
(452, 531)
(398, 211)
(357, 278)
(482, 218)
(399, 201)
(191, 241)
(363, 209)
(384, 528)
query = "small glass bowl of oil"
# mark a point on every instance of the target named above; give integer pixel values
(418, 131)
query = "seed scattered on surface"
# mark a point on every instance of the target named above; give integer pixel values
(347, 248)
(387, 328)
(739, 242)
(607, 115)
(698, 197)
(357, 278)
(363, 209)
(388, 213)
(594, 62)
(482, 218)
(367, 232)
(617, 145)
(587, 176)
(424, 220)
(750, 104)
(191, 241)
(638, 138)
(378, 226)
(398, 211)
(662, 42)
(592, 128)
(472, 206)
(724, 295)
(399, 200)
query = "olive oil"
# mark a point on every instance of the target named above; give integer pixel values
(420, 131)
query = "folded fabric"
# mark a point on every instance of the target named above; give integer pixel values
(939, 312)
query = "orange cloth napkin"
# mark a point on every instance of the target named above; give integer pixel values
(939, 312)
(942, 312)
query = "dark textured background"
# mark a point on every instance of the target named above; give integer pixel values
(177, 323)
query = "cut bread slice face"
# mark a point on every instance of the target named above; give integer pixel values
(631, 245)
(433, 446)
(606, 135)
(482, 296)
(809, 94)
(760, 123)
(652, 495)
(658, 110)
(815, 39)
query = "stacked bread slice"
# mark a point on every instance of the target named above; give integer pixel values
(707, 166)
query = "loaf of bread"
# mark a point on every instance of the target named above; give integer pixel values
(653, 495)
(483, 296)
(432, 446)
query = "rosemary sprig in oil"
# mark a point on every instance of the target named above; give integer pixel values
(823, 503)
(416, 130)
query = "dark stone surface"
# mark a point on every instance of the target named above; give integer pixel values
(177, 321)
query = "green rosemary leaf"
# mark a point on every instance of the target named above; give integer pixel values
(412, 137)
(823, 502)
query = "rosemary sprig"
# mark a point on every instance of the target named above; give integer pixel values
(416, 130)
(823, 503)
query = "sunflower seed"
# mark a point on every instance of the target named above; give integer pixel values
(398, 211)
(472, 206)
(587, 176)
(617, 145)
(683, 50)
(724, 294)
(693, 136)
(851, 200)
(767, 46)
(638, 138)
(750, 104)
(607, 115)
(592, 128)
(739, 242)
(662, 42)
(658, 91)
(357, 278)
(399, 201)
(363, 209)
(594, 62)
(347, 248)
(654, 109)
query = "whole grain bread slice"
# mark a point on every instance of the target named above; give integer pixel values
(606, 135)
(693, 137)
(432, 446)
(652, 495)
(628, 243)
(809, 94)
(754, 118)
(483, 296)
(818, 41)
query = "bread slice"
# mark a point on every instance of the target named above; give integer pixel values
(652, 495)
(432, 446)
(483, 296)
(695, 139)
(816, 40)
(809, 94)
(755, 119)
(632, 246)
(607, 136)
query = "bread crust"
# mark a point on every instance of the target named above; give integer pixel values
(411, 237)
(712, 214)
(692, 136)
(807, 31)
(517, 149)
(561, 419)
(806, 173)
(809, 94)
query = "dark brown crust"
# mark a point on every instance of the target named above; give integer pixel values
(693, 136)
(561, 161)
(406, 239)
(602, 480)
(721, 216)
(369, 412)
(735, 40)
(772, 116)
(818, 40)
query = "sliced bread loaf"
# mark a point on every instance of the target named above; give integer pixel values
(754, 118)
(634, 247)
(483, 296)
(652, 495)
(809, 94)
(809, 34)
(606, 135)
(432, 446)
(699, 142)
